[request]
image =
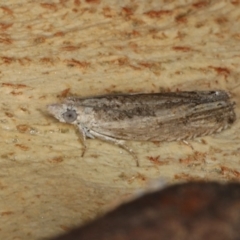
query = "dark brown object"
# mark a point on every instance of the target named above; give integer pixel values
(196, 211)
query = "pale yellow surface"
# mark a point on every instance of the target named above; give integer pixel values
(54, 48)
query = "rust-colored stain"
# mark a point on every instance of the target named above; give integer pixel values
(7, 213)
(22, 128)
(108, 12)
(146, 64)
(134, 33)
(230, 173)
(186, 177)
(235, 2)
(56, 160)
(16, 93)
(221, 20)
(93, 1)
(150, 65)
(7, 10)
(65, 228)
(5, 26)
(51, 6)
(120, 61)
(157, 161)
(7, 155)
(70, 48)
(200, 4)
(64, 93)
(6, 40)
(221, 70)
(77, 2)
(47, 60)
(158, 14)
(24, 61)
(127, 11)
(181, 19)
(9, 60)
(14, 86)
(24, 109)
(59, 34)
(182, 48)
(22, 147)
(76, 63)
(197, 157)
(39, 40)
(8, 114)
(137, 177)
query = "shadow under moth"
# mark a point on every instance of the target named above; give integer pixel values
(169, 116)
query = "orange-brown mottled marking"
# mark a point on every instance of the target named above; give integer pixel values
(59, 34)
(5, 26)
(127, 11)
(16, 93)
(7, 213)
(138, 176)
(47, 60)
(77, 2)
(235, 2)
(221, 70)
(56, 160)
(221, 20)
(51, 6)
(15, 86)
(231, 173)
(8, 60)
(24, 61)
(181, 19)
(121, 61)
(74, 62)
(23, 147)
(64, 228)
(39, 40)
(197, 157)
(108, 12)
(158, 14)
(93, 1)
(200, 4)
(156, 160)
(22, 128)
(6, 40)
(64, 93)
(7, 10)
(70, 48)
(8, 114)
(184, 176)
(182, 48)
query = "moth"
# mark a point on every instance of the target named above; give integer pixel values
(168, 116)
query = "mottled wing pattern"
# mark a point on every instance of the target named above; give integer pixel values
(162, 116)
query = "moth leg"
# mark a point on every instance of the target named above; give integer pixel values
(119, 143)
(187, 143)
(82, 137)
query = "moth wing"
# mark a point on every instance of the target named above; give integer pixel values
(186, 121)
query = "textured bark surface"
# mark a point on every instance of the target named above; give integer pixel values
(54, 49)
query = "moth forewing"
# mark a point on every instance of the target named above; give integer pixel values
(147, 117)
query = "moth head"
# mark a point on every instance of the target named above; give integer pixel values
(63, 112)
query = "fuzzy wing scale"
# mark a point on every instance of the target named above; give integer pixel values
(176, 120)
